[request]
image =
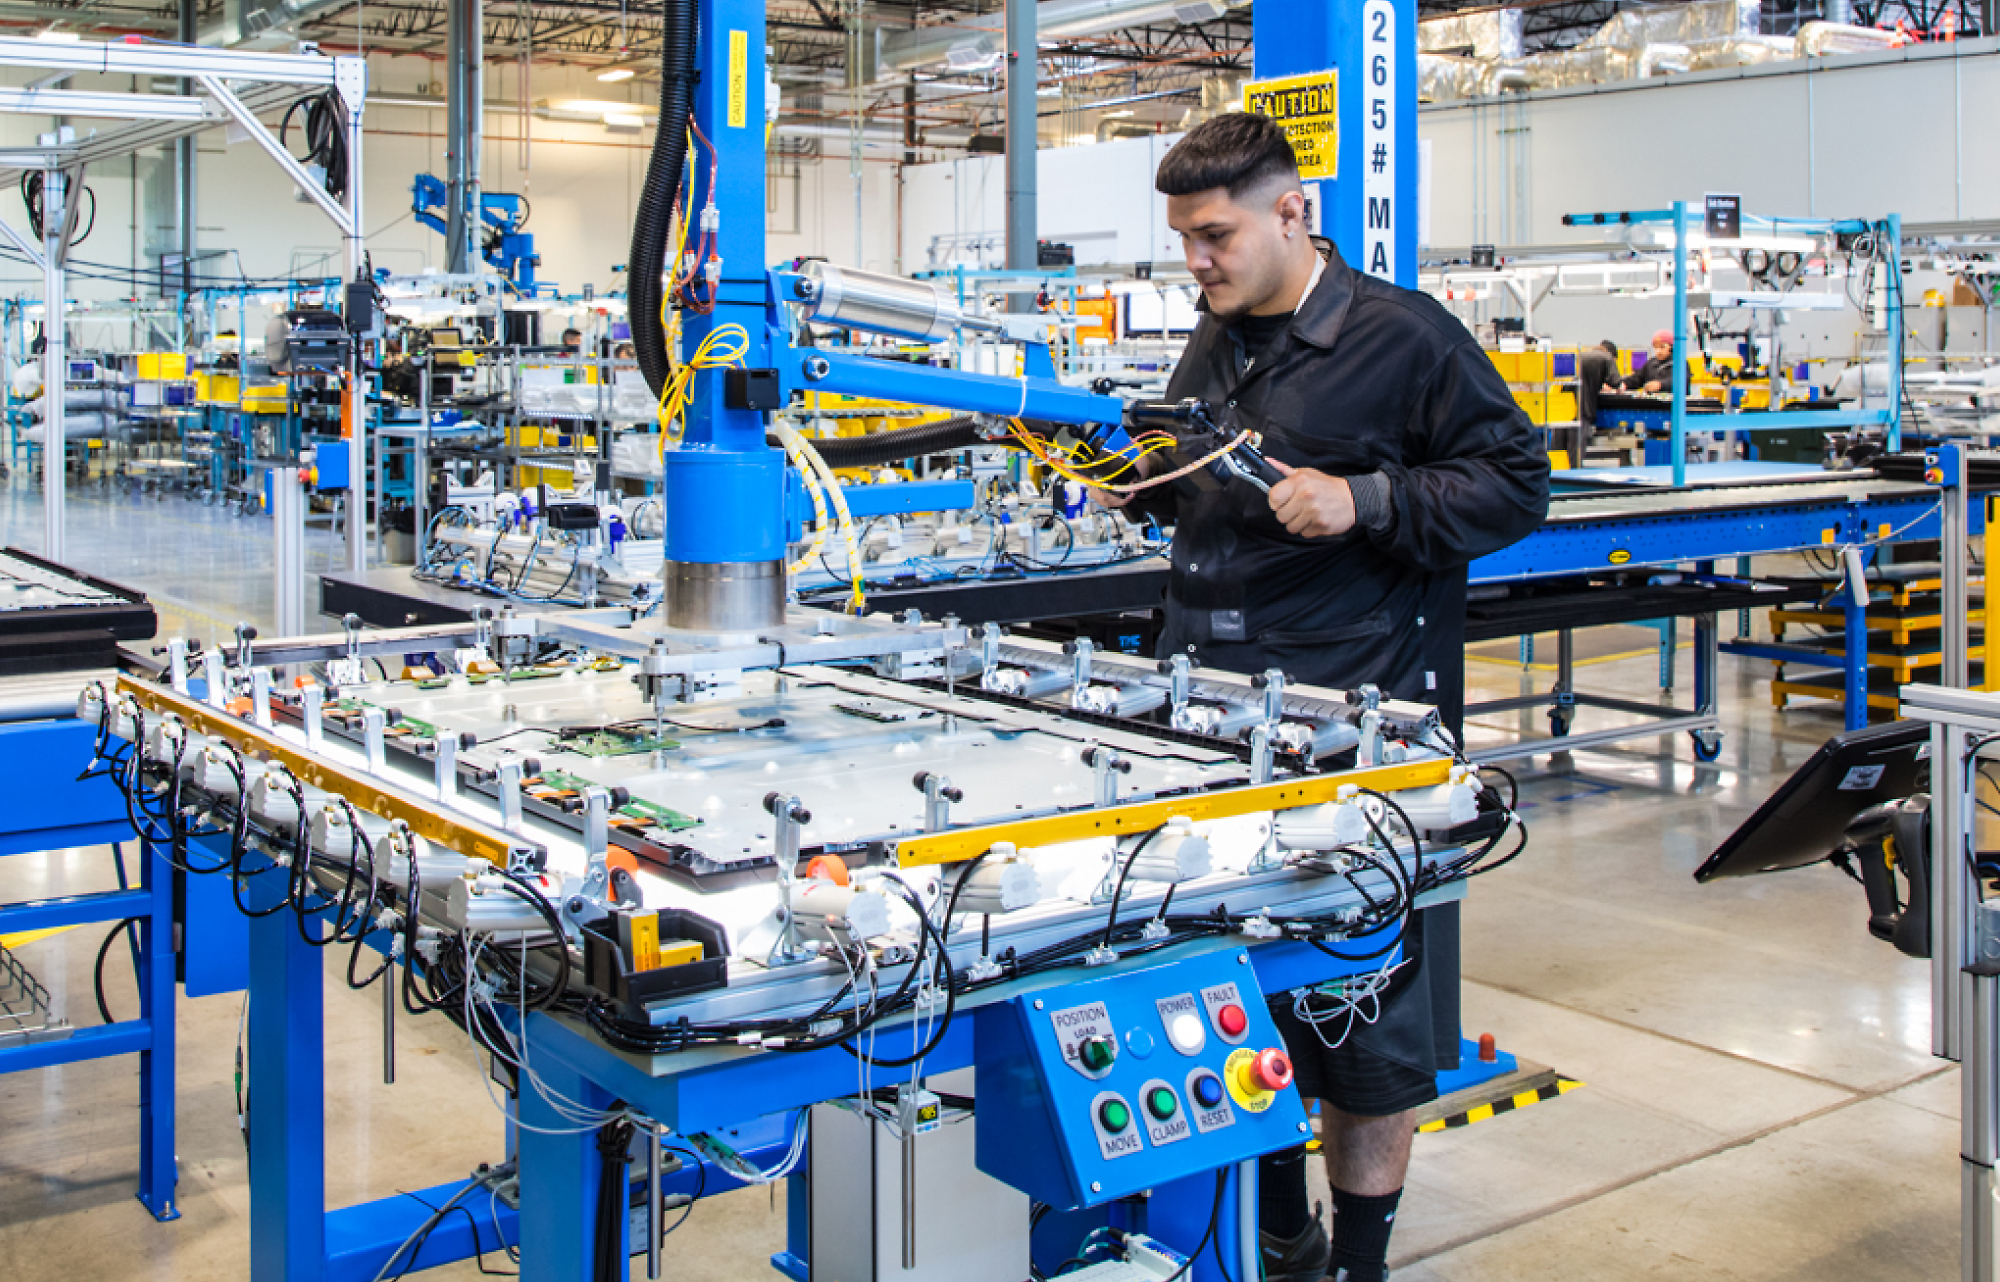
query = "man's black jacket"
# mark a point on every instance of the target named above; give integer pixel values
(1381, 384)
(1385, 387)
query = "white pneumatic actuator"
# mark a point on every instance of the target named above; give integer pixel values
(1004, 882)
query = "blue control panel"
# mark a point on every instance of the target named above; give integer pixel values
(1101, 1089)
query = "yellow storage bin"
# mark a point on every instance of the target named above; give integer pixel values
(216, 389)
(162, 364)
(271, 398)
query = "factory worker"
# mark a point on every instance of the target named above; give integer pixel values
(1405, 458)
(1658, 374)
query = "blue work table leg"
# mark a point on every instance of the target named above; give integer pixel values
(1854, 663)
(287, 1106)
(157, 1171)
(560, 1172)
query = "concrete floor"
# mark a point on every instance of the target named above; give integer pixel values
(1759, 1104)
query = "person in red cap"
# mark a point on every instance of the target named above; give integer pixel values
(1658, 375)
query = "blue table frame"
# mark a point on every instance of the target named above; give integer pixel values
(39, 759)
(295, 1238)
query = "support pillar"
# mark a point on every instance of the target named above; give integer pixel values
(1022, 129)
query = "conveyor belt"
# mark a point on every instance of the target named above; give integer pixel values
(1712, 500)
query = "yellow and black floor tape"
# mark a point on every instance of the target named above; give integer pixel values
(1480, 1112)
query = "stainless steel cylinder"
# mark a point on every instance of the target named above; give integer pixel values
(724, 596)
(880, 304)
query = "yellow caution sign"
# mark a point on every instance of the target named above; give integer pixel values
(1308, 109)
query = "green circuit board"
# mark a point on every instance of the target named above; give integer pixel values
(653, 815)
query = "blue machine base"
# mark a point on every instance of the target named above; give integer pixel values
(1471, 1072)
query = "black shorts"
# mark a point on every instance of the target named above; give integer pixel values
(1350, 1077)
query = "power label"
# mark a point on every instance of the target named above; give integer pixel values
(1078, 1026)
(1180, 1015)
(1307, 108)
(1381, 232)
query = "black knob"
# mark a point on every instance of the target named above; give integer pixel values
(350, 621)
(571, 805)
(1258, 682)
(1122, 766)
(530, 766)
(771, 800)
(1069, 647)
(922, 777)
(1354, 698)
(953, 794)
(246, 632)
(800, 815)
(467, 739)
(1163, 667)
(392, 715)
(619, 797)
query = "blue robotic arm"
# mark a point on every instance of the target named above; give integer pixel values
(510, 250)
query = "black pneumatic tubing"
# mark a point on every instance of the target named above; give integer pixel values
(878, 448)
(656, 198)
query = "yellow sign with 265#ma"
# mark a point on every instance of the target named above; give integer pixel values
(1306, 106)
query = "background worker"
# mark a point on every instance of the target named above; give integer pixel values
(1658, 373)
(1405, 457)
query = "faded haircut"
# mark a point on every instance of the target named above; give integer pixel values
(1238, 150)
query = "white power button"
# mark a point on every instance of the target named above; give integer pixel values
(1180, 1015)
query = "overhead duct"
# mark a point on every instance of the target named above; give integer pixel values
(1218, 94)
(264, 24)
(1494, 34)
(968, 48)
(1825, 39)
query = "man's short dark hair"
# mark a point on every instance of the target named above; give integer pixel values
(1238, 150)
(1609, 346)
(568, 332)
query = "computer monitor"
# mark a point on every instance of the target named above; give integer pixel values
(1170, 310)
(1804, 820)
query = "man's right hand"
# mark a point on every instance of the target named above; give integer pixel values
(1141, 468)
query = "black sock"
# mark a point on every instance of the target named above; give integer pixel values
(1282, 1209)
(1361, 1228)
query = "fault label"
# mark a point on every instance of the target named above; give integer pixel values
(1219, 999)
(1307, 108)
(1381, 232)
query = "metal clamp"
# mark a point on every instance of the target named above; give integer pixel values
(938, 796)
(1106, 765)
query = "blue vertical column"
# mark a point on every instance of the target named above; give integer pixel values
(560, 1174)
(1369, 206)
(287, 1106)
(723, 487)
(157, 1171)
(1680, 460)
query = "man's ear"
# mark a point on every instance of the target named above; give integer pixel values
(1292, 210)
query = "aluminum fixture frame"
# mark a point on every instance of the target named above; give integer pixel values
(261, 82)
(1965, 1006)
(1680, 222)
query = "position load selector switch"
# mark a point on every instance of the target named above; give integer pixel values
(1089, 1041)
(1256, 1077)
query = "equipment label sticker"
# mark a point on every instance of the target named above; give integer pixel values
(739, 79)
(1862, 778)
(1380, 234)
(1077, 1025)
(1307, 107)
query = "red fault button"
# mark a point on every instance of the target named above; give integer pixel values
(1231, 1020)
(1271, 1070)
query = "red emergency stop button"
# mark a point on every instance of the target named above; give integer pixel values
(1231, 1020)
(1270, 1070)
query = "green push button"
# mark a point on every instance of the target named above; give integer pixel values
(1160, 1102)
(1096, 1053)
(1113, 1116)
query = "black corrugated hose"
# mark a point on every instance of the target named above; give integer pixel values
(878, 448)
(647, 261)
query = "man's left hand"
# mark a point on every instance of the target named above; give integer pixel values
(1312, 504)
